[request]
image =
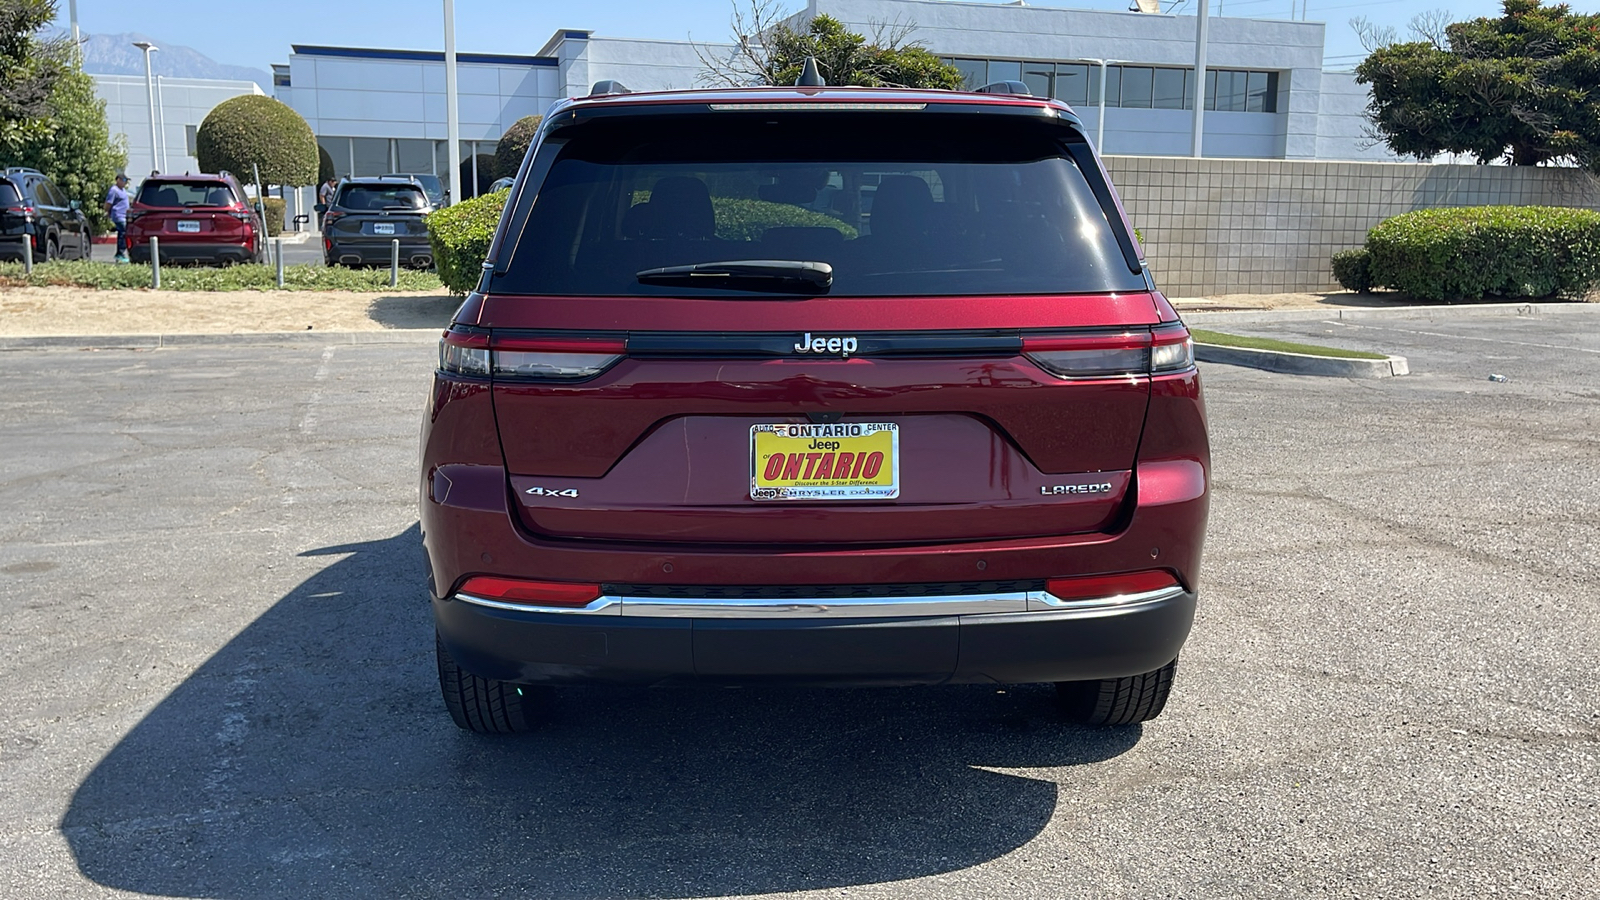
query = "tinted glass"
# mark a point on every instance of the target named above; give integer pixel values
(1113, 85)
(1072, 83)
(1169, 89)
(360, 197)
(975, 71)
(1040, 78)
(371, 156)
(165, 192)
(1256, 91)
(1005, 70)
(1137, 84)
(9, 195)
(896, 205)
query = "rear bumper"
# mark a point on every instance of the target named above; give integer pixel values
(1072, 644)
(176, 252)
(376, 251)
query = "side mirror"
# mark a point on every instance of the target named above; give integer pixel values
(75, 205)
(320, 208)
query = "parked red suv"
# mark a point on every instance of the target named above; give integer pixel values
(199, 218)
(821, 385)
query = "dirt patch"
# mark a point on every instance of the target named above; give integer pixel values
(37, 311)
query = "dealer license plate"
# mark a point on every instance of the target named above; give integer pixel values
(188, 227)
(843, 461)
(383, 228)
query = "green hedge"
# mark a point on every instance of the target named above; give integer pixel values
(1351, 268)
(1497, 251)
(100, 276)
(274, 211)
(460, 234)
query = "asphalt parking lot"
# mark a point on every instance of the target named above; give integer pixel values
(219, 682)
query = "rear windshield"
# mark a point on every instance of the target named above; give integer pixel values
(897, 204)
(382, 196)
(158, 192)
(8, 194)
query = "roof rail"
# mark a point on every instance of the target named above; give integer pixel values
(1006, 87)
(22, 170)
(608, 88)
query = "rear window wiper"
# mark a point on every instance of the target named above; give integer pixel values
(749, 274)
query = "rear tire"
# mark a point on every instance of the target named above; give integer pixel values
(483, 705)
(1117, 701)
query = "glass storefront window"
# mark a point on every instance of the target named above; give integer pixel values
(371, 156)
(975, 71)
(1004, 70)
(1072, 84)
(1137, 86)
(1040, 78)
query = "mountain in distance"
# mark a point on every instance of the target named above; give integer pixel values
(114, 54)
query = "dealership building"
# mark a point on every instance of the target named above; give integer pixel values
(1267, 95)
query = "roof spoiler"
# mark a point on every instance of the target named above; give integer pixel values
(608, 88)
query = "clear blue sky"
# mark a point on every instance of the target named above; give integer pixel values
(260, 34)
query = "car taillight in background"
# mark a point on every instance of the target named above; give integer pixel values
(518, 358)
(24, 211)
(1158, 351)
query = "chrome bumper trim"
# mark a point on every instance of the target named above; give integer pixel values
(830, 608)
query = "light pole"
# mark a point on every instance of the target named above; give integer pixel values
(72, 11)
(452, 116)
(1200, 77)
(150, 86)
(161, 122)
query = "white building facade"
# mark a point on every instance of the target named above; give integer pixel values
(181, 105)
(378, 111)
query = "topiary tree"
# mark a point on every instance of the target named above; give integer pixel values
(258, 130)
(514, 145)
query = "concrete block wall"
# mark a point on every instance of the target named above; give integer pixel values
(1261, 226)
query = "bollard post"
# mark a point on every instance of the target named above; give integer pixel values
(394, 263)
(27, 255)
(277, 250)
(155, 263)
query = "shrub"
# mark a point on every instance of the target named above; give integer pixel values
(98, 275)
(274, 213)
(513, 145)
(1499, 251)
(744, 220)
(1350, 269)
(460, 234)
(257, 130)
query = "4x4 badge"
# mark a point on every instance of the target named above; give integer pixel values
(552, 492)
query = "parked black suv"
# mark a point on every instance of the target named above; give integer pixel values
(36, 216)
(368, 214)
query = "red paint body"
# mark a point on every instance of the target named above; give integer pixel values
(640, 472)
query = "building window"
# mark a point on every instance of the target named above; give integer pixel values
(1127, 86)
(189, 133)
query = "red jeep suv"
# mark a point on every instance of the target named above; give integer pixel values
(813, 385)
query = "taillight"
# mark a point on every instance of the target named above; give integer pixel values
(330, 217)
(558, 359)
(1172, 351)
(559, 594)
(1112, 354)
(24, 211)
(474, 353)
(464, 353)
(1099, 587)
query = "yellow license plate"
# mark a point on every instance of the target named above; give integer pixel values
(843, 461)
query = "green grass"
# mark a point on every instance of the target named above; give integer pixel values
(1255, 343)
(104, 276)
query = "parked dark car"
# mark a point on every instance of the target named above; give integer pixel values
(431, 185)
(368, 214)
(36, 217)
(705, 419)
(199, 219)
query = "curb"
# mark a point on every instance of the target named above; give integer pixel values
(1301, 363)
(164, 341)
(1352, 313)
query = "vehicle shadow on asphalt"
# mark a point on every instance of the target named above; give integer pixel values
(312, 756)
(435, 311)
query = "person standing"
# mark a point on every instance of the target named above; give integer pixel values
(117, 208)
(326, 193)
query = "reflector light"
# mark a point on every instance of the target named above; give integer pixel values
(1092, 587)
(533, 593)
